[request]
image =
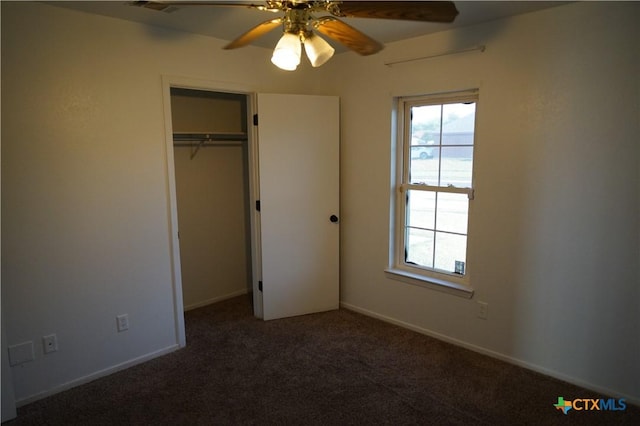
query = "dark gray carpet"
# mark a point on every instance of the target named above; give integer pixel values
(334, 368)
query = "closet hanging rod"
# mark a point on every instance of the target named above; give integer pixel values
(207, 142)
(214, 137)
(195, 141)
(195, 145)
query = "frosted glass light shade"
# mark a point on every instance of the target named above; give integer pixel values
(287, 53)
(318, 50)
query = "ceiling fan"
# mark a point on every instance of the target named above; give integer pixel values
(299, 24)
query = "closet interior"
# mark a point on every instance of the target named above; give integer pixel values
(212, 191)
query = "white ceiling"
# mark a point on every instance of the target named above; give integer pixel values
(227, 23)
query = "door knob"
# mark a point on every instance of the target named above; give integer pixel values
(333, 218)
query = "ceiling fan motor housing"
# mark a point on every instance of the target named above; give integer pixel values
(296, 21)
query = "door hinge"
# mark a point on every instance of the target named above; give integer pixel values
(258, 205)
(255, 119)
(260, 285)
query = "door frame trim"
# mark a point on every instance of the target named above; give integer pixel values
(172, 81)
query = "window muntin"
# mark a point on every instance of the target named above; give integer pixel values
(437, 138)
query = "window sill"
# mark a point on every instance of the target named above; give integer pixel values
(429, 282)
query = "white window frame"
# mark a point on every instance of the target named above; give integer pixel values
(398, 268)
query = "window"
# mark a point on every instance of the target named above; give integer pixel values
(433, 189)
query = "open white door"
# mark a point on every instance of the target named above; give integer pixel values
(298, 150)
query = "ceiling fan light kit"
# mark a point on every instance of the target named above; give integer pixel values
(318, 50)
(287, 53)
(298, 24)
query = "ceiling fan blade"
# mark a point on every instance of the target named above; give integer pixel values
(430, 11)
(352, 38)
(254, 33)
(162, 5)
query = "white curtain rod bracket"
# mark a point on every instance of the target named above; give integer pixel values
(480, 48)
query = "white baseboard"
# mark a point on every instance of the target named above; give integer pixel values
(122, 366)
(215, 299)
(96, 375)
(635, 400)
(130, 363)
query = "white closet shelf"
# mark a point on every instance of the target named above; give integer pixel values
(195, 141)
(209, 137)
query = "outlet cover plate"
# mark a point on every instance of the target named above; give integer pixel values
(122, 322)
(50, 343)
(483, 310)
(21, 353)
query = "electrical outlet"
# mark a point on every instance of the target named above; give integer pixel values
(483, 310)
(122, 322)
(49, 343)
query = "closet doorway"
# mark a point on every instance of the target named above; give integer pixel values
(287, 251)
(210, 152)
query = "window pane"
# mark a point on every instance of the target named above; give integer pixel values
(421, 209)
(453, 210)
(449, 249)
(458, 124)
(456, 166)
(425, 123)
(427, 170)
(419, 247)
